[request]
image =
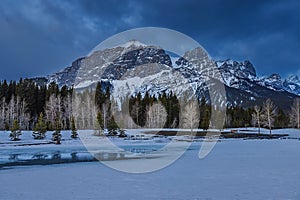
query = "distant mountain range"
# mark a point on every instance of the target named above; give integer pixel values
(164, 73)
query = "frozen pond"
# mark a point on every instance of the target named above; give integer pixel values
(235, 169)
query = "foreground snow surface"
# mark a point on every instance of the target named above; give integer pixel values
(235, 169)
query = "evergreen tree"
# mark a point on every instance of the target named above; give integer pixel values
(99, 95)
(74, 133)
(238, 117)
(99, 125)
(122, 133)
(112, 126)
(56, 136)
(281, 119)
(52, 89)
(40, 128)
(205, 112)
(205, 119)
(15, 131)
(40, 99)
(100, 120)
(64, 92)
(4, 90)
(6, 126)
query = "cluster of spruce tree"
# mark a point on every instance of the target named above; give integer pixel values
(149, 111)
(164, 111)
(103, 102)
(237, 116)
(25, 101)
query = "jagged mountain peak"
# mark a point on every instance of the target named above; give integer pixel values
(273, 82)
(237, 74)
(274, 77)
(292, 84)
(118, 64)
(242, 69)
(293, 78)
(113, 63)
(133, 42)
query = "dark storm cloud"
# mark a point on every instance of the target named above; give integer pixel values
(41, 37)
(265, 32)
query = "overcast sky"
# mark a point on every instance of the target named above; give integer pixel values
(41, 37)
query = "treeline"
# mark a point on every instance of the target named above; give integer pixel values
(25, 101)
(147, 112)
(241, 117)
(166, 111)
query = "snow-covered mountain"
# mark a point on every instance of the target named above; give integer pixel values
(292, 84)
(136, 67)
(275, 82)
(236, 74)
(239, 75)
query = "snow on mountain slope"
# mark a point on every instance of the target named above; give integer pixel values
(273, 82)
(133, 43)
(292, 84)
(276, 83)
(243, 70)
(158, 79)
(112, 64)
(240, 75)
(117, 64)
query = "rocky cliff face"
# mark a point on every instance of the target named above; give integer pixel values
(147, 55)
(68, 75)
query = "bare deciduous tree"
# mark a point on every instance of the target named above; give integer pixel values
(12, 111)
(76, 103)
(53, 109)
(84, 110)
(24, 116)
(135, 112)
(124, 120)
(295, 113)
(268, 115)
(105, 113)
(90, 110)
(15, 109)
(256, 117)
(191, 115)
(156, 116)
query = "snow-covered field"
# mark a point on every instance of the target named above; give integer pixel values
(234, 169)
